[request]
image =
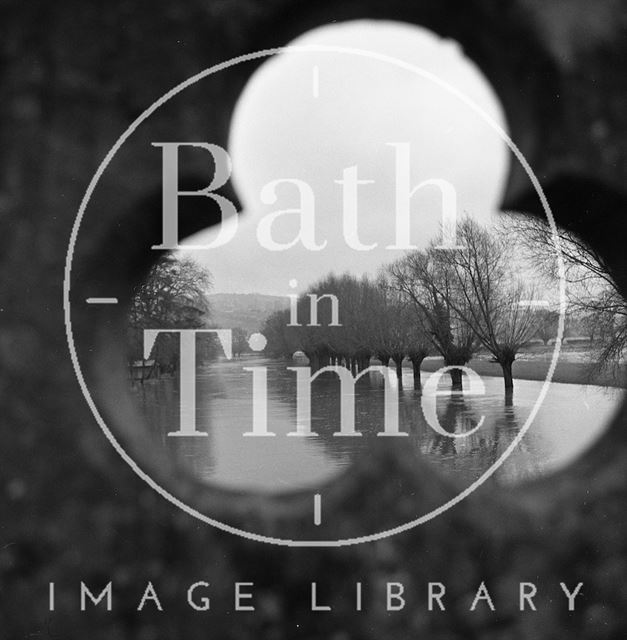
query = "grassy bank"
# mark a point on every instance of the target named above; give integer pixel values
(566, 372)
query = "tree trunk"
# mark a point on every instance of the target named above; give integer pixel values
(398, 361)
(456, 357)
(416, 361)
(417, 382)
(508, 379)
(456, 379)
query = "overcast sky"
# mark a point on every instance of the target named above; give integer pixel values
(311, 115)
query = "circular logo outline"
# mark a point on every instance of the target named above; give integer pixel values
(67, 310)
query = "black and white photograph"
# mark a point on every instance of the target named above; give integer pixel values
(314, 319)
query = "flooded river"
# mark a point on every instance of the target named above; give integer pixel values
(570, 418)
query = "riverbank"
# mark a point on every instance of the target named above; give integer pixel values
(568, 372)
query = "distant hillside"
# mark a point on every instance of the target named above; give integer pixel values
(246, 310)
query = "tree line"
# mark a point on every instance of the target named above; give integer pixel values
(447, 302)
(435, 301)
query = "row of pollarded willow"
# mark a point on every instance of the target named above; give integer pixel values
(479, 292)
(440, 301)
(371, 319)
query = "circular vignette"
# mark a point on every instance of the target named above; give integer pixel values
(68, 270)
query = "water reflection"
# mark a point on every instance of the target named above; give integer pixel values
(571, 417)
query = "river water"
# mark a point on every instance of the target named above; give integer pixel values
(568, 421)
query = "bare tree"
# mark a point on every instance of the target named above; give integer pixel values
(592, 291)
(428, 281)
(545, 321)
(487, 295)
(397, 332)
